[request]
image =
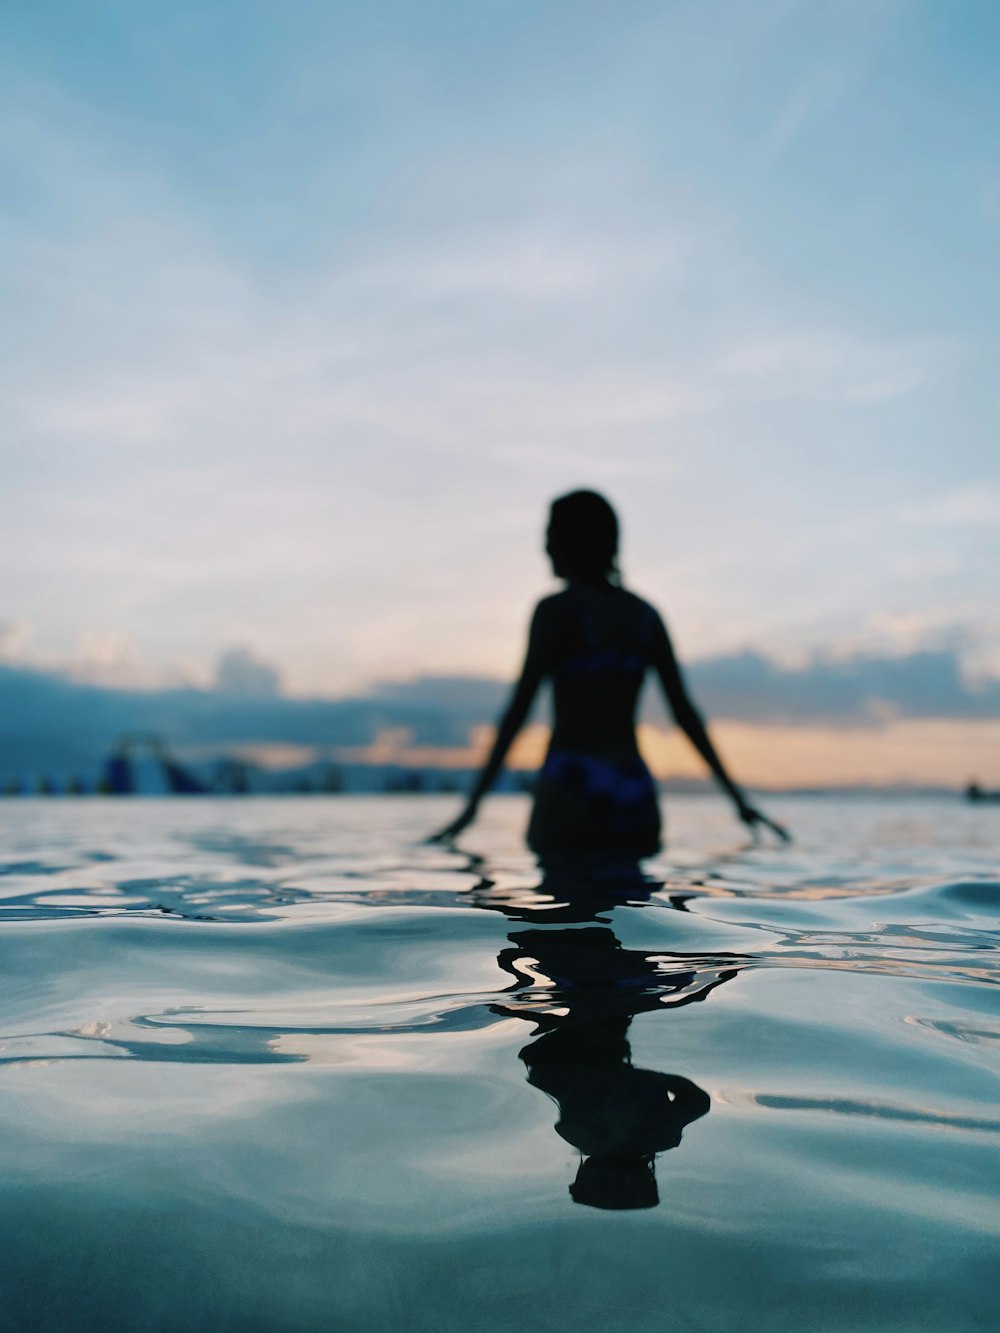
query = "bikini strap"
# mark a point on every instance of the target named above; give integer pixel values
(648, 627)
(586, 623)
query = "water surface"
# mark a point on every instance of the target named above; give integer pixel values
(273, 1064)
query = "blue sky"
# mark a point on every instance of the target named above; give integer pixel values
(314, 306)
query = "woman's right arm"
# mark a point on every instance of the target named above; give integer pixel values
(536, 663)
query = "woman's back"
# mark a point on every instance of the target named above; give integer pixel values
(594, 793)
(599, 640)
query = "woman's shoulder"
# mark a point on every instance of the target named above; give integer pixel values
(554, 605)
(637, 607)
(566, 604)
(550, 623)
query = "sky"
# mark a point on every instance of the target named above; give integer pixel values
(312, 308)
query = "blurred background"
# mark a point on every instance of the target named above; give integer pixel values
(312, 309)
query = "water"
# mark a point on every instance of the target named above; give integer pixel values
(275, 1065)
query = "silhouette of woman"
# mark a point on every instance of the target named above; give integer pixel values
(595, 641)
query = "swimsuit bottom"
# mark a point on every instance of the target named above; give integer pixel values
(583, 803)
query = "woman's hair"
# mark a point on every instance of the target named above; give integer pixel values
(583, 534)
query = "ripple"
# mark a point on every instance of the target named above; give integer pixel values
(902, 1114)
(291, 1020)
(964, 1032)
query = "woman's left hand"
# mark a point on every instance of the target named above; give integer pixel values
(754, 820)
(452, 830)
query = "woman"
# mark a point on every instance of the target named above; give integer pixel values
(595, 642)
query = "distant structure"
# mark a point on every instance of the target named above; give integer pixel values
(141, 766)
(232, 776)
(405, 780)
(974, 792)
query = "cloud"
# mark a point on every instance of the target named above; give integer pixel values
(110, 658)
(465, 696)
(530, 264)
(814, 95)
(239, 672)
(827, 366)
(860, 690)
(967, 506)
(910, 752)
(818, 713)
(52, 721)
(863, 690)
(15, 640)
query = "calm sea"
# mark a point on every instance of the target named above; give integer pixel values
(275, 1065)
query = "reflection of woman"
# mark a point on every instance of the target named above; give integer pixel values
(617, 1116)
(595, 642)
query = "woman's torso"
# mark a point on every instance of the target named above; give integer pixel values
(600, 640)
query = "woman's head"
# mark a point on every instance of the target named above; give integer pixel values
(582, 536)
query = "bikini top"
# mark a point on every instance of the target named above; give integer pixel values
(597, 658)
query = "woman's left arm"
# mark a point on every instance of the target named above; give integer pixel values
(690, 722)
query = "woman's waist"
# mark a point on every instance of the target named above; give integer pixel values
(624, 759)
(616, 746)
